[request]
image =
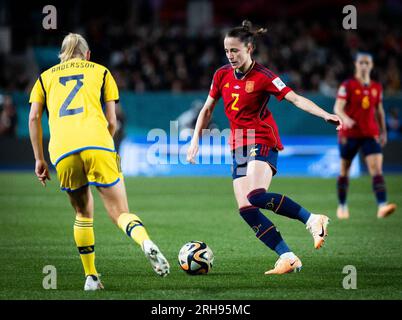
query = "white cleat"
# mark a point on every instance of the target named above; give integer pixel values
(286, 265)
(317, 224)
(93, 283)
(156, 258)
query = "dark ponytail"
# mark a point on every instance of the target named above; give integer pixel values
(245, 33)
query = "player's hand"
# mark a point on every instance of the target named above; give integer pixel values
(348, 122)
(42, 171)
(383, 139)
(335, 120)
(192, 152)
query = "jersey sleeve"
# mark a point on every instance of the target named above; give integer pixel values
(38, 92)
(277, 87)
(343, 91)
(215, 91)
(110, 90)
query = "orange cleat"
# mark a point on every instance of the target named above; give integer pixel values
(386, 210)
(318, 227)
(342, 212)
(286, 265)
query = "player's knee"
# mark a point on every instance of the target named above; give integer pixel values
(345, 168)
(376, 171)
(254, 197)
(374, 168)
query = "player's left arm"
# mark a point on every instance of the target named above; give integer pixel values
(111, 97)
(35, 134)
(310, 107)
(110, 114)
(380, 115)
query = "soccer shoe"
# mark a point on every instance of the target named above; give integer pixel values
(342, 212)
(386, 210)
(286, 265)
(93, 283)
(156, 258)
(317, 225)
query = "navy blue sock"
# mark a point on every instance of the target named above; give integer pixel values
(342, 186)
(264, 229)
(279, 204)
(379, 189)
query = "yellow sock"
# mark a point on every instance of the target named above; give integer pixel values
(85, 240)
(133, 227)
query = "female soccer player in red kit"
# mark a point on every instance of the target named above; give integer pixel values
(359, 104)
(246, 87)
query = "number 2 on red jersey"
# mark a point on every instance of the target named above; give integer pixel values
(236, 96)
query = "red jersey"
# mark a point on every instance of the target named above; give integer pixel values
(361, 104)
(245, 98)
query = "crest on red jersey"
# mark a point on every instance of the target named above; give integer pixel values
(374, 92)
(249, 86)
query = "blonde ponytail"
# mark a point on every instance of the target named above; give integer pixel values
(73, 46)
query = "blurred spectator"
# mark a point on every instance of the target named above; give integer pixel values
(392, 77)
(8, 117)
(394, 125)
(313, 54)
(329, 86)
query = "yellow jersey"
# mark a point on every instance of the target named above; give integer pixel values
(72, 93)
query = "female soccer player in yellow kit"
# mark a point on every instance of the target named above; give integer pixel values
(81, 148)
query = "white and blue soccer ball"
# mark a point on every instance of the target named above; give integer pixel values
(195, 257)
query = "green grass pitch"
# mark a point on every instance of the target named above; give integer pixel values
(36, 230)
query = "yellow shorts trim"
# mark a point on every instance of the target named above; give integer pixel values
(89, 167)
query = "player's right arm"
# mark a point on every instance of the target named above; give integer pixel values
(38, 100)
(339, 107)
(205, 116)
(35, 133)
(202, 122)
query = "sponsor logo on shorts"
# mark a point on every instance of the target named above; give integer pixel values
(253, 152)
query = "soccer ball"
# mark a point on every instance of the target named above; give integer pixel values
(195, 257)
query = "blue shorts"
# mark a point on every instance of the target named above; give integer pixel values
(349, 147)
(243, 155)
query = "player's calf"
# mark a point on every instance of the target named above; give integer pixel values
(279, 204)
(264, 229)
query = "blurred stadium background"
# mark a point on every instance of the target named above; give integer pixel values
(163, 54)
